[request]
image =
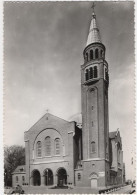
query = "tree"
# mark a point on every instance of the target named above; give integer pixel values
(13, 157)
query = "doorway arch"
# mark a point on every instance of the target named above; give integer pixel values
(61, 177)
(36, 178)
(94, 180)
(48, 174)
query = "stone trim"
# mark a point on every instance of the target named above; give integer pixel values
(47, 162)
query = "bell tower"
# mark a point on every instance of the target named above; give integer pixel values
(94, 88)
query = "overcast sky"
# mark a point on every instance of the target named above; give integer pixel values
(43, 51)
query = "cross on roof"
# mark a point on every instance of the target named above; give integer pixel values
(93, 6)
(47, 110)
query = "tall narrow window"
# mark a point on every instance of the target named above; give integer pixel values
(79, 176)
(96, 53)
(101, 53)
(23, 179)
(86, 56)
(57, 146)
(47, 146)
(91, 54)
(86, 75)
(39, 149)
(93, 149)
(17, 179)
(106, 75)
(91, 73)
(95, 72)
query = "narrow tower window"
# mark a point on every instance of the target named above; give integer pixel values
(95, 72)
(91, 73)
(91, 54)
(38, 149)
(92, 124)
(96, 53)
(86, 56)
(106, 75)
(47, 146)
(86, 75)
(101, 53)
(93, 149)
(57, 146)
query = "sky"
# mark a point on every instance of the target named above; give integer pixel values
(43, 52)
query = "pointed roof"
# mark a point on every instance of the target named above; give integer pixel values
(93, 36)
(50, 118)
(20, 169)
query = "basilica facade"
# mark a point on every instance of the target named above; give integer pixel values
(64, 153)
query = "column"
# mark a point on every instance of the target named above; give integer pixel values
(43, 180)
(31, 180)
(55, 180)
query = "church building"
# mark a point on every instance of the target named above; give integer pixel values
(60, 152)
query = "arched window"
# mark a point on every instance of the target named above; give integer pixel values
(79, 176)
(23, 179)
(47, 146)
(39, 146)
(91, 54)
(86, 56)
(17, 179)
(101, 53)
(96, 53)
(95, 72)
(91, 73)
(86, 75)
(57, 146)
(93, 148)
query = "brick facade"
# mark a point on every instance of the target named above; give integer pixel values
(87, 156)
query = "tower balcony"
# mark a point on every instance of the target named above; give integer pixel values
(93, 80)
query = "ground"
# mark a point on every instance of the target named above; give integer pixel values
(75, 190)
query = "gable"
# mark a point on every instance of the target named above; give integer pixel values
(47, 120)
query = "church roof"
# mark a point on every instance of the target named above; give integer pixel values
(93, 36)
(78, 119)
(49, 117)
(20, 169)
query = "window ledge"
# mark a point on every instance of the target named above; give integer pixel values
(48, 156)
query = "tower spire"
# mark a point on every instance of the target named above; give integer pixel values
(93, 6)
(93, 36)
